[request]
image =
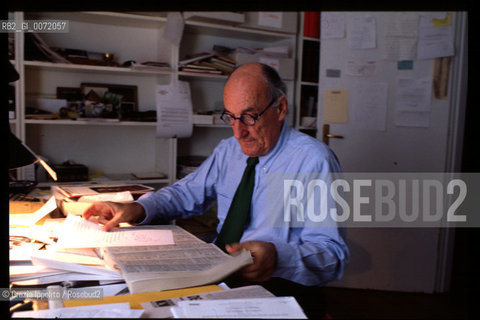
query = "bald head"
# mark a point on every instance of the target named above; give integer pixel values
(249, 91)
(247, 85)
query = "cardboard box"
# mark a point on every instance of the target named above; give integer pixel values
(284, 66)
(274, 21)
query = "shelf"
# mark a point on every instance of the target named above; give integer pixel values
(203, 75)
(218, 126)
(105, 181)
(311, 39)
(214, 29)
(308, 83)
(79, 122)
(307, 128)
(89, 68)
(137, 20)
(98, 122)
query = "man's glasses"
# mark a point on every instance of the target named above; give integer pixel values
(245, 118)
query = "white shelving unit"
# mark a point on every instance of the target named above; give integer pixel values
(307, 84)
(122, 147)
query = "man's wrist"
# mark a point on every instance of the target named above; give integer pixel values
(139, 213)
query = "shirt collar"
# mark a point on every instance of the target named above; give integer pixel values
(267, 159)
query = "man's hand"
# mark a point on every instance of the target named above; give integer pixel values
(264, 259)
(111, 214)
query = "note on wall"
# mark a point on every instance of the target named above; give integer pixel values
(335, 106)
(401, 34)
(332, 25)
(401, 24)
(435, 40)
(369, 103)
(174, 110)
(414, 94)
(413, 102)
(362, 31)
(361, 68)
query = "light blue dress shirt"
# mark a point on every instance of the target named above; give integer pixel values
(309, 253)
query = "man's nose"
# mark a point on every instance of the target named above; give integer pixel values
(239, 129)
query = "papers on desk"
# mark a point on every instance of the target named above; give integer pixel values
(77, 232)
(114, 310)
(162, 308)
(266, 308)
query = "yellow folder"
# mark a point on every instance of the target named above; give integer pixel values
(137, 298)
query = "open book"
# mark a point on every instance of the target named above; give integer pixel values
(155, 264)
(189, 262)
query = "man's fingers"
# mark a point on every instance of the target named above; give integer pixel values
(98, 209)
(233, 248)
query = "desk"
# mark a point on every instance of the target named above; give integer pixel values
(309, 298)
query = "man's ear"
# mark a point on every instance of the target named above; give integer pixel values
(282, 108)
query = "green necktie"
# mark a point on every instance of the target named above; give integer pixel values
(238, 214)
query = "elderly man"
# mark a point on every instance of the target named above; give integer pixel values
(255, 108)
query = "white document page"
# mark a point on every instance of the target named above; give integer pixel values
(266, 308)
(434, 41)
(332, 25)
(174, 110)
(161, 308)
(414, 94)
(362, 32)
(370, 105)
(77, 232)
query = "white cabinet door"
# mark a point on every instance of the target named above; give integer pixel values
(403, 259)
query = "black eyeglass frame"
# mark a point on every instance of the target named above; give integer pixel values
(229, 118)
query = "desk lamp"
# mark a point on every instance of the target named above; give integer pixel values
(19, 154)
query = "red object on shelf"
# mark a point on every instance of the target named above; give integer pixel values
(311, 24)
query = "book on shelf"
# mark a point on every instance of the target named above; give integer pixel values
(208, 63)
(311, 24)
(149, 258)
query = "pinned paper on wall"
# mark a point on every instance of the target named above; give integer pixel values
(335, 106)
(174, 110)
(414, 94)
(398, 48)
(442, 21)
(361, 68)
(402, 24)
(362, 31)
(435, 40)
(370, 105)
(413, 102)
(401, 36)
(332, 25)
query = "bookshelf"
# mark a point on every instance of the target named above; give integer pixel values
(308, 50)
(117, 148)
